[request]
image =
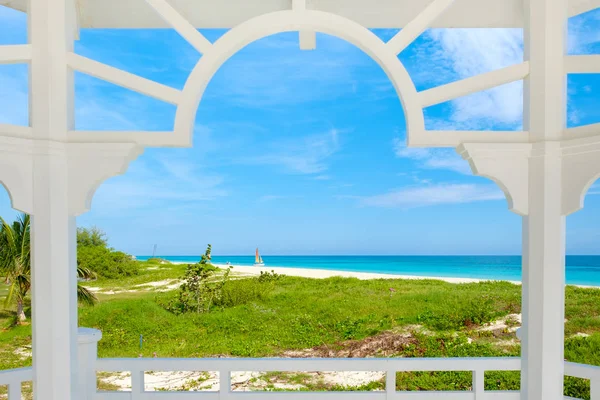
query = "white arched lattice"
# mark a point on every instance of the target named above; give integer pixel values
(307, 22)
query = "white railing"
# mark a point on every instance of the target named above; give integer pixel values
(477, 366)
(14, 378)
(590, 372)
(89, 365)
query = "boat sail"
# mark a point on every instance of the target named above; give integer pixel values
(258, 261)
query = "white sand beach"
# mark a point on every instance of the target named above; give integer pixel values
(324, 273)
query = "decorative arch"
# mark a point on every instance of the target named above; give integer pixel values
(287, 21)
(16, 172)
(581, 168)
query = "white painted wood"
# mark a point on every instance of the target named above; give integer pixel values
(581, 168)
(15, 54)
(123, 78)
(14, 390)
(284, 21)
(582, 131)
(230, 13)
(418, 25)
(543, 279)
(15, 172)
(591, 372)
(577, 7)
(586, 64)
(479, 384)
(507, 165)
(146, 139)
(17, 131)
(90, 164)
(224, 384)
(474, 84)
(456, 138)
(137, 385)
(87, 343)
(594, 389)
(390, 384)
(545, 88)
(309, 364)
(53, 230)
(307, 38)
(181, 25)
(544, 116)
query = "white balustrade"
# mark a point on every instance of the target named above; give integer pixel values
(226, 366)
(89, 365)
(14, 378)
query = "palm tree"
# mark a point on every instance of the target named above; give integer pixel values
(15, 264)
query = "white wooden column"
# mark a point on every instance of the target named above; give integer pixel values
(53, 234)
(543, 300)
(544, 226)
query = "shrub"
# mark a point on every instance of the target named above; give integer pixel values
(200, 289)
(106, 262)
(247, 290)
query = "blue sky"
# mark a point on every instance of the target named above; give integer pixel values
(303, 152)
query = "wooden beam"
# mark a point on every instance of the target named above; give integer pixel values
(456, 138)
(308, 39)
(582, 131)
(15, 131)
(146, 139)
(577, 7)
(474, 84)
(418, 25)
(123, 78)
(585, 64)
(14, 54)
(181, 25)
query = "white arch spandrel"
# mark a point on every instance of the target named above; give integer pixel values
(290, 21)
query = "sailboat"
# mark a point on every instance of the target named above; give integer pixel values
(258, 261)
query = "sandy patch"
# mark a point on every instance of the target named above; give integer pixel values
(510, 323)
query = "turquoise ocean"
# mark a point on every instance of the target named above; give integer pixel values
(581, 270)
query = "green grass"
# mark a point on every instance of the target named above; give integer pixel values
(305, 313)
(149, 272)
(300, 313)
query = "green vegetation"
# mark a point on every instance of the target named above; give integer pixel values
(15, 266)
(94, 254)
(272, 315)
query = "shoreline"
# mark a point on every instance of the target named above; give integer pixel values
(326, 273)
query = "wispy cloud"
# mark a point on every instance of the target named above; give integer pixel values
(432, 195)
(158, 182)
(309, 155)
(432, 158)
(462, 53)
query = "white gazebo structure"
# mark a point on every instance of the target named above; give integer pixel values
(51, 170)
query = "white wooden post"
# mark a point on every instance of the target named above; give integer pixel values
(479, 384)
(544, 227)
(14, 391)
(594, 389)
(138, 385)
(53, 231)
(224, 384)
(87, 340)
(390, 384)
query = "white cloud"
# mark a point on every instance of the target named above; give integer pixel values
(308, 155)
(432, 158)
(437, 194)
(468, 52)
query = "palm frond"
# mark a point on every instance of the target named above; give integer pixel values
(86, 296)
